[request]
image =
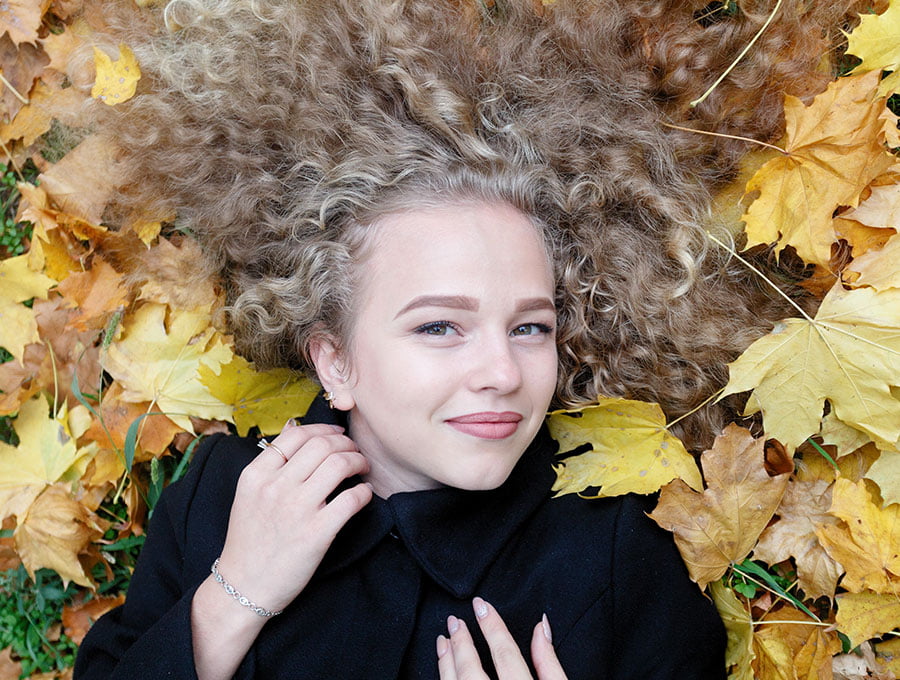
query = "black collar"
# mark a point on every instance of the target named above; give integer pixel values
(453, 535)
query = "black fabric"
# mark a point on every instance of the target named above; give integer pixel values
(611, 582)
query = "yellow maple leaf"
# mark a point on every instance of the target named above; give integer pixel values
(18, 328)
(790, 647)
(116, 80)
(264, 399)
(849, 354)
(54, 531)
(720, 526)
(804, 507)
(869, 546)
(631, 449)
(46, 454)
(18, 282)
(739, 627)
(879, 269)
(876, 40)
(885, 472)
(835, 148)
(861, 616)
(157, 359)
(880, 209)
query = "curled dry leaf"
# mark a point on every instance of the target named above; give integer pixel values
(720, 526)
(868, 546)
(81, 184)
(804, 507)
(849, 354)
(739, 627)
(793, 645)
(54, 531)
(885, 472)
(834, 150)
(878, 268)
(78, 618)
(631, 449)
(96, 293)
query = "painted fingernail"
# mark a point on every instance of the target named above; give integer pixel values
(452, 624)
(442, 646)
(545, 624)
(480, 606)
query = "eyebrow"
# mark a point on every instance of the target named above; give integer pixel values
(471, 304)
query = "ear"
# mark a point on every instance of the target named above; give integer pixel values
(332, 369)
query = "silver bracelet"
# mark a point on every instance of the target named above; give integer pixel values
(236, 594)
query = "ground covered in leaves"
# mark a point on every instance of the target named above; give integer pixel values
(114, 368)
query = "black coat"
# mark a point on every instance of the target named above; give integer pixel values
(613, 586)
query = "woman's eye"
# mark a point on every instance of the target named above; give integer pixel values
(438, 328)
(531, 329)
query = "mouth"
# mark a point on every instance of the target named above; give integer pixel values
(487, 425)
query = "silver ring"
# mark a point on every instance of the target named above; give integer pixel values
(265, 446)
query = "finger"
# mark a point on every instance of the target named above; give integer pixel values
(346, 504)
(314, 453)
(446, 667)
(543, 655)
(465, 657)
(505, 652)
(291, 438)
(332, 471)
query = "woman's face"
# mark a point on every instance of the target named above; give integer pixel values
(452, 361)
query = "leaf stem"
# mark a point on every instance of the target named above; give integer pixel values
(696, 408)
(760, 274)
(722, 134)
(12, 89)
(739, 57)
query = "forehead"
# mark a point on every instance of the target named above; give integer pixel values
(458, 243)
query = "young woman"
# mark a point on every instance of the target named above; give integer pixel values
(453, 216)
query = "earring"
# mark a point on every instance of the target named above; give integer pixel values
(329, 397)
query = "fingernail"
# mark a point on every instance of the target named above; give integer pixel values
(545, 624)
(442, 646)
(452, 624)
(338, 428)
(480, 606)
(293, 422)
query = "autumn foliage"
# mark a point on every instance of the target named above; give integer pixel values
(118, 361)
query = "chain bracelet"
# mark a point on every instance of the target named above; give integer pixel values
(236, 594)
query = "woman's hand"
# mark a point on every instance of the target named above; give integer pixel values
(458, 659)
(280, 525)
(278, 532)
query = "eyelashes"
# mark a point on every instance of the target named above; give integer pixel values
(444, 328)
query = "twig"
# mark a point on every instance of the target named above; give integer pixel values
(739, 57)
(722, 134)
(696, 408)
(18, 96)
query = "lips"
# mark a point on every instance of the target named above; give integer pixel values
(487, 425)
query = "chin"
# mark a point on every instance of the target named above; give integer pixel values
(480, 480)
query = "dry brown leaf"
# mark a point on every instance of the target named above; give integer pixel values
(861, 238)
(860, 664)
(793, 645)
(21, 19)
(834, 150)
(77, 619)
(9, 669)
(852, 466)
(804, 507)
(888, 654)
(168, 273)
(21, 66)
(68, 55)
(96, 293)
(720, 526)
(54, 531)
(739, 626)
(82, 183)
(868, 546)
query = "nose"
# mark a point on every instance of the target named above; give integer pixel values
(495, 366)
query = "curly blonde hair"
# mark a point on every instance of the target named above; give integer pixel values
(278, 129)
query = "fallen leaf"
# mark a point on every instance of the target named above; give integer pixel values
(869, 546)
(96, 293)
(804, 507)
(852, 466)
(21, 20)
(844, 438)
(834, 150)
(263, 399)
(739, 627)
(865, 615)
(9, 669)
(18, 282)
(21, 66)
(168, 273)
(860, 664)
(849, 354)
(81, 184)
(880, 209)
(720, 526)
(888, 653)
(789, 644)
(54, 531)
(860, 237)
(77, 619)
(45, 454)
(631, 449)
(885, 472)
(18, 328)
(876, 40)
(116, 80)
(157, 359)
(879, 268)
